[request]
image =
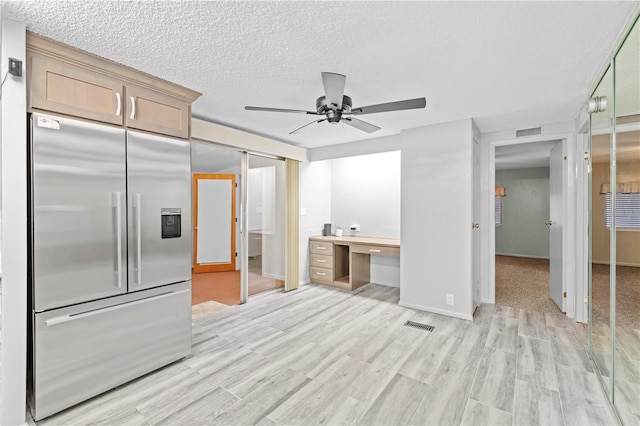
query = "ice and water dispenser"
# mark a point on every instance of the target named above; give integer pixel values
(171, 223)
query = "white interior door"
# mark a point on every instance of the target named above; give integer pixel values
(476, 221)
(556, 285)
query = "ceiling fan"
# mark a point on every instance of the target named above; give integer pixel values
(337, 107)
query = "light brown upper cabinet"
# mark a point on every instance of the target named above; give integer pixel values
(62, 87)
(69, 81)
(147, 110)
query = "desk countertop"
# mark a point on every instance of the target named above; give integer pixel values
(350, 239)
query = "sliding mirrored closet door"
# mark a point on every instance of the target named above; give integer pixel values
(615, 229)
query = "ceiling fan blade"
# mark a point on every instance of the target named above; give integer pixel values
(295, 111)
(333, 88)
(391, 106)
(360, 125)
(308, 124)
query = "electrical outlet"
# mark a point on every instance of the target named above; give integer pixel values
(303, 211)
(450, 299)
(15, 67)
(355, 227)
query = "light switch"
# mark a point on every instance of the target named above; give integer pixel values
(303, 211)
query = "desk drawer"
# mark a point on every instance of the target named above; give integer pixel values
(321, 260)
(321, 247)
(379, 250)
(321, 275)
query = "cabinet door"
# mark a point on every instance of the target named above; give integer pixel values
(156, 112)
(67, 89)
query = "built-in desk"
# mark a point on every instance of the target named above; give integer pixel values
(345, 262)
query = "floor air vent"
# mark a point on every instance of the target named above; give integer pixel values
(418, 325)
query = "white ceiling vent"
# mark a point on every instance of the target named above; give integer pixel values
(529, 132)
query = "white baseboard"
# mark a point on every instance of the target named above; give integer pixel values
(437, 311)
(304, 282)
(387, 284)
(527, 256)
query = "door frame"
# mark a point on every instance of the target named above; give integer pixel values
(213, 267)
(488, 145)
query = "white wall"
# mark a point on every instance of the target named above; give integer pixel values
(366, 190)
(436, 218)
(256, 214)
(315, 202)
(273, 263)
(14, 228)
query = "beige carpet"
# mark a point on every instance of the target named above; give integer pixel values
(627, 295)
(206, 308)
(524, 283)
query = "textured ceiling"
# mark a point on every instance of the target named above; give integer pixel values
(506, 64)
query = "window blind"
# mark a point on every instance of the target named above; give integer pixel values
(627, 210)
(498, 210)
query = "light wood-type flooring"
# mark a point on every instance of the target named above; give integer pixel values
(319, 355)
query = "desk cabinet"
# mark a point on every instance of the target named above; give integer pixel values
(321, 262)
(345, 262)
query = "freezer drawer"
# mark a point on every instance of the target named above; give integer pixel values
(84, 350)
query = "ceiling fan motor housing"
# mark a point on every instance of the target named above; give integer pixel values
(334, 115)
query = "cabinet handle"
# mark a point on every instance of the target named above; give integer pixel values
(374, 250)
(118, 104)
(133, 108)
(320, 248)
(321, 273)
(321, 260)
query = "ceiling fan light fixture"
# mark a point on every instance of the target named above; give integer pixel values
(335, 106)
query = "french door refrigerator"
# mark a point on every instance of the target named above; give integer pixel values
(110, 258)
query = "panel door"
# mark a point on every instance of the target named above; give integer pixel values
(78, 210)
(64, 88)
(556, 286)
(475, 254)
(158, 179)
(214, 206)
(154, 112)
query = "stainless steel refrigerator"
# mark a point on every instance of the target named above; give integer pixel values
(110, 258)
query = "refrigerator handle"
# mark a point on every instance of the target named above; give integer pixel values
(77, 316)
(137, 203)
(117, 201)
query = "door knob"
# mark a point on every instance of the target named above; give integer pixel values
(548, 222)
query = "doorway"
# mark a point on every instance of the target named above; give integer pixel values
(216, 173)
(265, 223)
(528, 226)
